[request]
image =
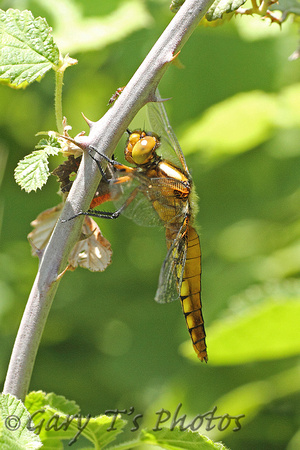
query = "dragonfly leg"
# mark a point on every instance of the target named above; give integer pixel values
(94, 213)
(113, 162)
(104, 177)
(106, 214)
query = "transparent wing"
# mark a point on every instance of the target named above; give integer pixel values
(152, 191)
(171, 273)
(140, 210)
(159, 122)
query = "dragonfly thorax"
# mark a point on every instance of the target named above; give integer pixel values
(141, 147)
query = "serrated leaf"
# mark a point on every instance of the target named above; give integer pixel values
(100, 431)
(50, 145)
(220, 7)
(38, 399)
(58, 419)
(48, 413)
(179, 440)
(27, 49)
(32, 172)
(14, 421)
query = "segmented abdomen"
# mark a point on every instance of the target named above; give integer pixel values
(190, 294)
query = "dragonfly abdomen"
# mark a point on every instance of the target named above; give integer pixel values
(190, 294)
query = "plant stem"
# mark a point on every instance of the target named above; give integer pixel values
(104, 135)
(59, 76)
(64, 63)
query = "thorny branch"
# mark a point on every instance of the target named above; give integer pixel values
(104, 135)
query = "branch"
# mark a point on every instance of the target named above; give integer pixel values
(104, 135)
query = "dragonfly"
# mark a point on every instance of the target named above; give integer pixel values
(161, 191)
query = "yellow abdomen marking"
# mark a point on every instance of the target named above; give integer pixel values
(190, 295)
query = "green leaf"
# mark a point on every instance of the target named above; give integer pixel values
(50, 145)
(27, 50)
(38, 399)
(32, 172)
(94, 33)
(234, 125)
(176, 4)
(217, 9)
(250, 398)
(260, 332)
(243, 122)
(220, 7)
(50, 415)
(14, 433)
(99, 430)
(56, 419)
(179, 440)
(287, 7)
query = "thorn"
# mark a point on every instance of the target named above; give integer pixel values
(83, 145)
(88, 121)
(153, 97)
(164, 99)
(175, 56)
(69, 267)
(171, 57)
(39, 252)
(176, 61)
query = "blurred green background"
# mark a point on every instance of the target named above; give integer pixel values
(236, 110)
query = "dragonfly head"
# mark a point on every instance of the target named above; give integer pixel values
(141, 147)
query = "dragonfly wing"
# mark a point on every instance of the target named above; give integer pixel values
(171, 273)
(154, 194)
(159, 122)
(141, 210)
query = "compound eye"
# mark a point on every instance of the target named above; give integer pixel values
(134, 138)
(143, 150)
